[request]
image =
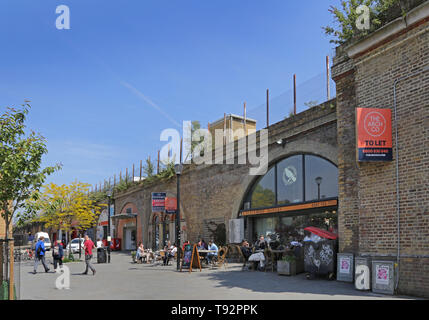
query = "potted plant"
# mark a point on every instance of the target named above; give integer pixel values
(133, 255)
(287, 265)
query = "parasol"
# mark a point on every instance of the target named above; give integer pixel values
(322, 233)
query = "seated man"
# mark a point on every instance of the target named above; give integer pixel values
(169, 254)
(210, 255)
(261, 244)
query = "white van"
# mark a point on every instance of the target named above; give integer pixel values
(46, 240)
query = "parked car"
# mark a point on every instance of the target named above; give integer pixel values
(73, 245)
(47, 241)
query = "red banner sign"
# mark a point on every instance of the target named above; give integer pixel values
(374, 134)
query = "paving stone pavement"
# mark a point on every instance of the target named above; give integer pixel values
(122, 279)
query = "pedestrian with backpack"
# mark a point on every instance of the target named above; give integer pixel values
(40, 254)
(58, 254)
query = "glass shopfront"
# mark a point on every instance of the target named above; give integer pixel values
(291, 228)
(296, 192)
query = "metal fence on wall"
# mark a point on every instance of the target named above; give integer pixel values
(300, 96)
(309, 93)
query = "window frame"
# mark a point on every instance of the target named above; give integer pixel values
(248, 197)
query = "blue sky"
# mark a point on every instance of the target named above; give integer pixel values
(102, 92)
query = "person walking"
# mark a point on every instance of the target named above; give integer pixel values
(88, 245)
(58, 254)
(40, 254)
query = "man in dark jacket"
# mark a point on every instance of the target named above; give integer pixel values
(261, 244)
(58, 254)
(40, 254)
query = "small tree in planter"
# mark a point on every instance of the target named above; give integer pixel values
(287, 265)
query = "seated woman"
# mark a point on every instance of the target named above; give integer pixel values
(258, 258)
(186, 243)
(140, 255)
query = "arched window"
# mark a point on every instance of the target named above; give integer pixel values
(296, 179)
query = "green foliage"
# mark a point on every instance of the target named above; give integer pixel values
(262, 197)
(381, 12)
(70, 258)
(167, 172)
(20, 161)
(311, 104)
(288, 258)
(63, 206)
(149, 168)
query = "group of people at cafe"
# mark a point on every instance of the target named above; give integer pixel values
(255, 254)
(206, 250)
(145, 255)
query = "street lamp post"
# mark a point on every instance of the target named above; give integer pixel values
(318, 181)
(109, 196)
(178, 169)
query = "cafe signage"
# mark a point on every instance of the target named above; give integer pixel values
(312, 205)
(374, 134)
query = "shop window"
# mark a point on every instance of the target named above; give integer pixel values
(293, 180)
(290, 181)
(284, 229)
(264, 194)
(321, 179)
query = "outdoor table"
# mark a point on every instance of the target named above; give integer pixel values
(205, 252)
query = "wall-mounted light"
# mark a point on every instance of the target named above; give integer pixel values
(281, 142)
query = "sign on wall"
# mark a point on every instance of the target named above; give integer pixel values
(374, 134)
(170, 205)
(158, 201)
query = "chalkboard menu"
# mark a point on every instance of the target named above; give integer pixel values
(191, 258)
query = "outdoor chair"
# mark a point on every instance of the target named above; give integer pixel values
(172, 258)
(220, 259)
(241, 255)
(269, 260)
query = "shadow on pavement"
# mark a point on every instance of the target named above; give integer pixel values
(270, 282)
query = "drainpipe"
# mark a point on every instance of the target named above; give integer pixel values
(426, 68)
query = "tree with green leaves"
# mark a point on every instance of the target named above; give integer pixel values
(380, 13)
(64, 207)
(20, 164)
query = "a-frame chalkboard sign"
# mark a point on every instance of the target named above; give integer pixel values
(191, 258)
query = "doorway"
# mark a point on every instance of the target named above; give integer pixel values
(129, 238)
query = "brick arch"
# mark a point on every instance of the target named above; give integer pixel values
(278, 153)
(129, 204)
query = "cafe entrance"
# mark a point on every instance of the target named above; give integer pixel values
(296, 192)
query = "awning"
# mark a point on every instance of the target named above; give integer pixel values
(322, 233)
